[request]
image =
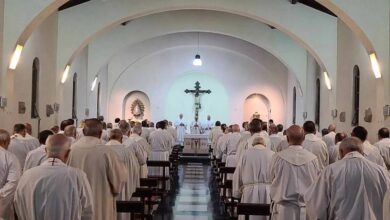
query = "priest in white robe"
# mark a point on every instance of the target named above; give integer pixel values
(315, 145)
(141, 149)
(171, 130)
(351, 188)
(9, 177)
(19, 146)
(36, 157)
(215, 133)
(221, 143)
(292, 171)
(54, 190)
(71, 133)
(196, 126)
(371, 152)
(207, 125)
(181, 127)
(251, 179)
(127, 157)
(106, 174)
(32, 140)
(329, 138)
(255, 130)
(383, 145)
(274, 137)
(334, 150)
(161, 143)
(264, 134)
(125, 128)
(145, 129)
(229, 149)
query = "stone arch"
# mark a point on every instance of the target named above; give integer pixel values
(259, 103)
(129, 99)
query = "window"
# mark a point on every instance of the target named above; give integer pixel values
(294, 105)
(35, 89)
(74, 97)
(318, 103)
(98, 101)
(356, 96)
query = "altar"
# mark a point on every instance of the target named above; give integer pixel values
(196, 144)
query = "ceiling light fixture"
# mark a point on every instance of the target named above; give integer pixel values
(16, 56)
(65, 74)
(375, 66)
(197, 61)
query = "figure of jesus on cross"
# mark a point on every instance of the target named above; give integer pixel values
(197, 92)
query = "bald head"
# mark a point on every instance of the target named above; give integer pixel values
(70, 131)
(58, 146)
(5, 138)
(92, 128)
(236, 128)
(350, 144)
(116, 134)
(295, 135)
(332, 127)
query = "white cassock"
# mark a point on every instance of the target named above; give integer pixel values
(275, 141)
(372, 154)
(141, 149)
(35, 158)
(33, 141)
(161, 143)
(207, 126)
(292, 171)
(128, 158)
(79, 133)
(171, 130)
(282, 145)
(196, 127)
(267, 141)
(384, 148)
(54, 191)
(106, 174)
(251, 179)
(229, 150)
(220, 146)
(181, 127)
(214, 135)
(334, 153)
(19, 148)
(247, 142)
(386, 206)
(318, 147)
(9, 177)
(351, 188)
(105, 138)
(242, 144)
(329, 139)
(145, 133)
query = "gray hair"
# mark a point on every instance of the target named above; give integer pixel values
(350, 144)
(257, 141)
(4, 138)
(116, 134)
(137, 129)
(124, 127)
(56, 145)
(70, 131)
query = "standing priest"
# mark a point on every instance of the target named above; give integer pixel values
(181, 127)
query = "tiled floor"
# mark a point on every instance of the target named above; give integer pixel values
(193, 199)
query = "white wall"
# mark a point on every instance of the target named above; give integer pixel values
(232, 68)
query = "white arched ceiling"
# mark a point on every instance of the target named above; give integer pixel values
(294, 20)
(272, 40)
(21, 18)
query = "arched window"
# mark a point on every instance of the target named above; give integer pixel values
(74, 97)
(294, 105)
(35, 89)
(318, 103)
(356, 96)
(98, 101)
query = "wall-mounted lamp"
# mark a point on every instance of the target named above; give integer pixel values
(375, 66)
(327, 81)
(65, 74)
(15, 57)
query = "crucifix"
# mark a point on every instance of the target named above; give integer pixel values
(197, 92)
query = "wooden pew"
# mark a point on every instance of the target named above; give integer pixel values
(132, 207)
(227, 186)
(248, 209)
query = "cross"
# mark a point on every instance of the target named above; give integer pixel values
(197, 91)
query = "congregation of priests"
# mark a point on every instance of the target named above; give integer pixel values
(79, 173)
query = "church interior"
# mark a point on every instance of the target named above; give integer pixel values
(196, 70)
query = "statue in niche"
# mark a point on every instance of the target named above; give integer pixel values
(255, 115)
(137, 109)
